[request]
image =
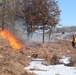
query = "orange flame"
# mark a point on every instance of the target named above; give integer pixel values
(14, 43)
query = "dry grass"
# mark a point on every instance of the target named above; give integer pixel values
(52, 52)
(13, 63)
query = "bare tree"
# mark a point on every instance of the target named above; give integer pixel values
(9, 11)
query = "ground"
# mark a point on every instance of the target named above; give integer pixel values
(13, 63)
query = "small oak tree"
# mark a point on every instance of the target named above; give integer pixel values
(40, 13)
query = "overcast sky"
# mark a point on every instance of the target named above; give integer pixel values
(68, 12)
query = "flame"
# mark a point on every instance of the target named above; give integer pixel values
(14, 43)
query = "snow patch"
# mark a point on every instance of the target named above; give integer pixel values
(38, 68)
(65, 60)
(37, 59)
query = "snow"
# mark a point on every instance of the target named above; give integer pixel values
(37, 59)
(39, 69)
(65, 60)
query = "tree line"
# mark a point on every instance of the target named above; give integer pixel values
(65, 29)
(38, 15)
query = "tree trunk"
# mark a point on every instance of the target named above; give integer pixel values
(3, 14)
(43, 34)
(50, 31)
(49, 35)
(28, 32)
(2, 23)
(31, 31)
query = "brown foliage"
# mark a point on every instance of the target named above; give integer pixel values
(39, 11)
(44, 13)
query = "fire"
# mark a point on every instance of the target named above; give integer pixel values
(14, 43)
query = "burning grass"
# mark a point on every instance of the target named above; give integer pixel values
(14, 43)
